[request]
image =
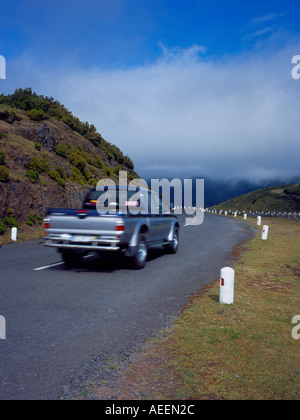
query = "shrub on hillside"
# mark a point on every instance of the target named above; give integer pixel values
(61, 171)
(76, 176)
(36, 114)
(61, 150)
(40, 164)
(11, 222)
(2, 228)
(4, 174)
(2, 158)
(32, 175)
(57, 178)
(30, 220)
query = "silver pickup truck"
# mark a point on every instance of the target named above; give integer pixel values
(78, 232)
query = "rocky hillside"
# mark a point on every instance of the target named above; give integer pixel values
(46, 163)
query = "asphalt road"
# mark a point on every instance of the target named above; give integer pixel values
(62, 324)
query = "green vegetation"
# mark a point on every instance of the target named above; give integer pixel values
(56, 176)
(2, 228)
(82, 166)
(8, 222)
(77, 158)
(32, 219)
(280, 198)
(36, 114)
(11, 222)
(32, 175)
(39, 165)
(39, 107)
(48, 158)
(77, 176)
(61, 150)
(2, 158)
(4, 174)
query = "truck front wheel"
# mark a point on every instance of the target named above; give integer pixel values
(172, 248)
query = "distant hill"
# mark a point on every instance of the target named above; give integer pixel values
(219, 191)
(282, 198)
(48, 158)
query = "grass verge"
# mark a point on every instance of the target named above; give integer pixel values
(25, 233)
(241, 351)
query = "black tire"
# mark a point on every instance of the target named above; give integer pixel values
(173, 247)
(71, 258)
(140, 258)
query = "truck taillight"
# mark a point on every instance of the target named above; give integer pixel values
(47, 224)
(120, 227)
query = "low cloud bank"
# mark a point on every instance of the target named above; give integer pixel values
(187, 114)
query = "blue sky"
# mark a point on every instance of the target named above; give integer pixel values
(125, 33)
(154, 75)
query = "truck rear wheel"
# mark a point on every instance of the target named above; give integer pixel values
(71, 258)
(140, 258)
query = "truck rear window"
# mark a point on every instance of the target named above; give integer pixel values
(112, 201)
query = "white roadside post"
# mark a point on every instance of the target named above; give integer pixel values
(245, 216)
(227, 285)
(2, 328)
(14, 233)
(265, 231)
(258, 220)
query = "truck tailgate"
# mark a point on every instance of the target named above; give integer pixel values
(81, 222)
(84, 229)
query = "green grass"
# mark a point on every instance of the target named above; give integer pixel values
(241, 351)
